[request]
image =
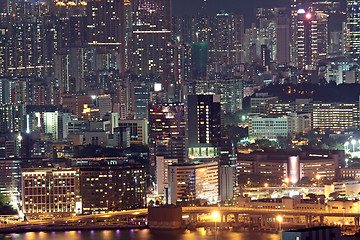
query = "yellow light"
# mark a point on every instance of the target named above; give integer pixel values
(279, 218)
(215, 215)
(266, 185)
(287, 180)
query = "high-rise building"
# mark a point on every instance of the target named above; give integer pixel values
(138, 130)
(106, 27)
(204, 125)
(12, 117)
(353, 29)
(151, 36)
(101, 190)
(189, 182)
(267, 30)
(4, 6)
(49, 192)
(225, 45)
(162, 173)
(311, 38)
(167, 131)
(282, 37)
(199, 60)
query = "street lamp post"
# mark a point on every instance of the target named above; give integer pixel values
(279, 219)
(346, 145)
(215, 215)
(318, 178)
(353, 142)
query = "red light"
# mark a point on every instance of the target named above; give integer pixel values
(308, 15)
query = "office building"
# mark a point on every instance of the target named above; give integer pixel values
(190, 182)
(260, 104)
(49, 192)
(162, 174)
(204, 121)
(101, 190)
(167, 127)
(319, 233)
(280, 165)
(151, 35)
(106, 27)
(272, 127)
(353, 29)
(282, 37)
(311, 38)
(138, 130)
(335, 116)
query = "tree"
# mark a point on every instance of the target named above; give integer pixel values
(3, 200)
(284, 142)
(265, 143)
(334, 194)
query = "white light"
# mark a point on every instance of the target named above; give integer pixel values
(301, 10)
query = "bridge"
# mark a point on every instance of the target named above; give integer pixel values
(259, 216)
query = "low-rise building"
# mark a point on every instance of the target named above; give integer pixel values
(349, 188)
(294, 165)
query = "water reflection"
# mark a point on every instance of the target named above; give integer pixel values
(141, 234)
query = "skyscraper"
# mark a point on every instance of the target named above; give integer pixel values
(167, 131)
(204, 125)
(225, 45)
(151, 36)
(282, 37)
(106, 26)
(4, 6)
(353, 28)
(311, 38)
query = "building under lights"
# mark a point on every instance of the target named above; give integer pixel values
(167, 127)
(151, 36)
(50, 193)
(190, 182)
(293, 165)
(204, 125)
(271, 127)
(112, 187)
(311, 38)
(335, 116)
(353, 29)
(106, 27)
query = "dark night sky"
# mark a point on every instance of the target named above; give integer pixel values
(246, 7)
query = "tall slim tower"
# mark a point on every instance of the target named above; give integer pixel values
(353, 28)
(311, 39)
(151, 36)
(282, 37)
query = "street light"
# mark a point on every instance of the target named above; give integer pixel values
(346, 144)
(266, 185)
(279, 219)
(353, 142)
(318, 178)
(215, 215)
(287, 180)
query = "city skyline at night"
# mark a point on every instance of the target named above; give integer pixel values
(224, 118)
